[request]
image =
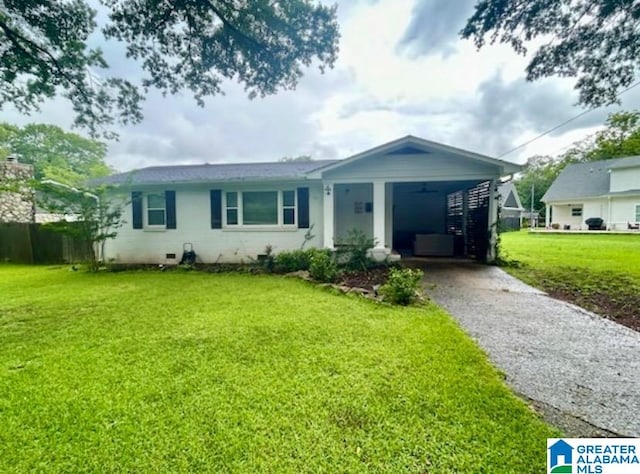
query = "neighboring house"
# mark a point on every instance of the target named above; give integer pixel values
(18, 200)
(608, 189)
(411, 195)
(16, 195)
(512, 211)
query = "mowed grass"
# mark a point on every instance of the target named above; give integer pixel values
(592, 252)
(193, 372)
(597, 271)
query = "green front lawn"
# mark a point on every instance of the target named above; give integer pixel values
(192, 372)
(599, 272)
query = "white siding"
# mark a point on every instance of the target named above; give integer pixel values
(623, 211)
(350, 210)
(424, 167)
(562, 216)
(595, 209)
(211, 245)
(625, 179)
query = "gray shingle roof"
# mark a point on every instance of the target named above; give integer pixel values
(509, 195)
(628, 192)
(583, 180)
(216, 172)
(629, 162)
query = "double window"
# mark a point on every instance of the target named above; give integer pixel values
(260, 208)
(576, 212)
(637, 212)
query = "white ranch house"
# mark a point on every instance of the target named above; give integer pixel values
(608, 189)
(412, 195)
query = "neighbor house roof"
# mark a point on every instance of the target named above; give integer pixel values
(216, 172)
(509, 195)
(584, 180)
(629, 162)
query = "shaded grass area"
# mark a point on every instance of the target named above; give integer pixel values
(598, 272)
(193, 372)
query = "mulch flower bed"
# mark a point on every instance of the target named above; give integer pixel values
(369, 280)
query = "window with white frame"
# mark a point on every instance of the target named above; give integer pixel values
(156, 210)
(260, 208)
(637, 212)
(288, 207)
(576, 212)
(232, 208)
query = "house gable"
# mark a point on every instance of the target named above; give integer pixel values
(509, 196)
(404, 159)
(625, 179)
(511, 201)
(595, 179)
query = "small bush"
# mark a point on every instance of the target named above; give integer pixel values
(323, 268)
(402, 286)
(296, 260)
(353, 251)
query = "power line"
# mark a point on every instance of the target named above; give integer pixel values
(553, 129)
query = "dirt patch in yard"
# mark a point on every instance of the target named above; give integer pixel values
(624, 310)
(369, 280)
(612, 295)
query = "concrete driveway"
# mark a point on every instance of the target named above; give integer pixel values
(582, 371)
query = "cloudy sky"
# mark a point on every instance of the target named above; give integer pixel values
(402, 70)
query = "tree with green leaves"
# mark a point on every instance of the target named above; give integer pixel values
(595, 41)
(180, 45)
(540, 171)
(621, 137)
(88, 216)
(54, 153)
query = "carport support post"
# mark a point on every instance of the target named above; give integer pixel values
(379, 211)
(328, 215)
(547, 216)
(493, 222)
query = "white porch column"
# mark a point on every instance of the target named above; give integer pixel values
(547, 216)
(328, 221)
(493, 221)
(379, 214)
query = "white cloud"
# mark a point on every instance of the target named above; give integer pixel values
(402, 70)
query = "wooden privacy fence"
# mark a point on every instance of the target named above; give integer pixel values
(36, 244)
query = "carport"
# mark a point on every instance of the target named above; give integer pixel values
(444, 219)
(415, 197)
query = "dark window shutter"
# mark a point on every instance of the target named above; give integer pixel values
(170, 200)
(303, 208)
(216, 209)
(136, 209)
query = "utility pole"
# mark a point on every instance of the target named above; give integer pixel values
(533, 187)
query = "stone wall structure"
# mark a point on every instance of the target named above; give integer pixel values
(16, 196)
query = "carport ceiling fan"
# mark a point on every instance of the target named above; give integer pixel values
(424, 190)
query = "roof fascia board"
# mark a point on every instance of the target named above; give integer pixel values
(505, 166)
